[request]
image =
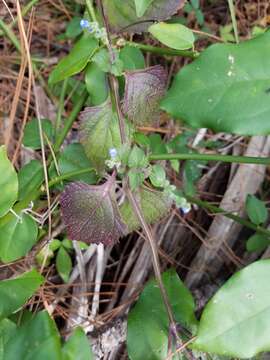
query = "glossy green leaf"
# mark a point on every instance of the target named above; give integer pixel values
(8, 183)
(132, 58)
(229, 83)
(99, 133)
(36, 339)
(175, 36)
(154, 205)
(31, 136)
(148, 322)
(63, 264)
(257, 242)
(30, 178)
(141, 6)
(17, 237)
(122, 15)
(77, 347)
(16, 291)
(96, 84)
(235, 322)
(73, 158)
(256, 210)
(76, 60)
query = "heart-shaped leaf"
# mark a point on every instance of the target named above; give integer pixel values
(122, 14)
(91, 213)
(16, 291)
(143, 91)
(17, 237)
(235, 322)
(227, 89)
(154, 205)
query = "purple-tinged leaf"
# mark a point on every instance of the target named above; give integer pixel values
(91, 213)
(122, 14)
(143, 92)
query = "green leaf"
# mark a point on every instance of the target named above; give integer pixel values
(235, 322)
(136, 178)
(141, 6)
(63, 264)
(158, 176)
(73, 28)
(137, 158)
(103, 61)
(31, 136)
(16, 291)
(148, 322)
(7, 330)
(132, 58)
(30, 178)
(73, 158)
(123, 14)
(37, 338)
(17, 237)
(76, 60)
(256, 210)
(77, 347)
(154, 204)
(231, 93)
(257, 242)
(96, 84)
(8, 183)
(175, 36)
(99, 133)
(91, 213)
(143, 91)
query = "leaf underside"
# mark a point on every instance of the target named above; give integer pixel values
(91, 214)
(122, 14)
(143, 91)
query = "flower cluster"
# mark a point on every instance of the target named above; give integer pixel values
(93, 28)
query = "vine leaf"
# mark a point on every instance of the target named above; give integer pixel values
(99, 133)
(143, 92)
(154, 205)
(122, 14)
(91, 214)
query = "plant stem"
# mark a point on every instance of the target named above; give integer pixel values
(234, 22)
(217, 210)
(69, 121)
(91, 10)
(69, 175)
(213, 157)
(61, 105)
(161, 50)
(10, 34)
